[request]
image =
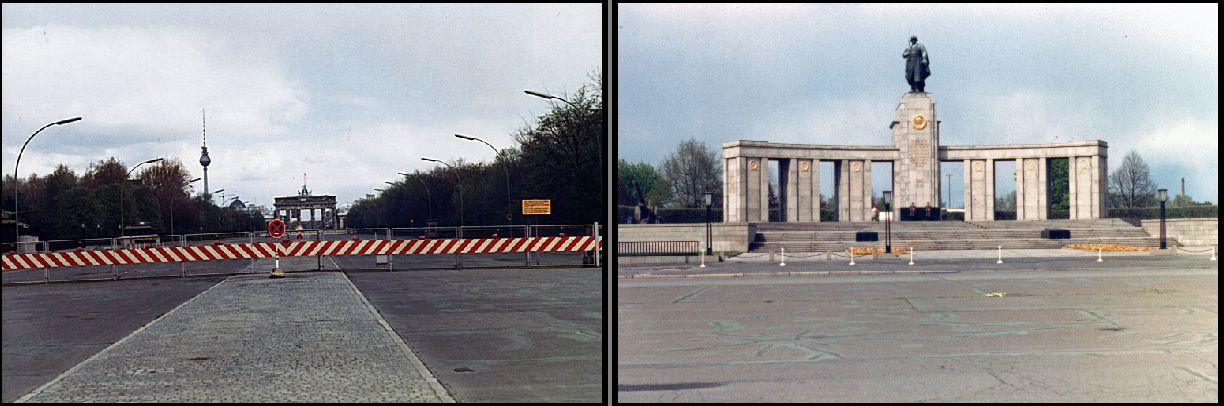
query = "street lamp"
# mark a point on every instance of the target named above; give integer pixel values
(122, 187)
(948, 204)
(428, 198)
(172, 202)
(709, 200)
(16, 198)
(888, 222)
(460, 190)
(602, 164)
(505, 167)
(548, 96)
(1164, 195)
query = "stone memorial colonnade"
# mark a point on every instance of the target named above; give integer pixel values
(915, 156)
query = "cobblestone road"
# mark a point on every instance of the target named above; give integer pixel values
(305, 338)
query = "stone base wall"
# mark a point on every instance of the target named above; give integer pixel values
(1188, 232)
(727, 236)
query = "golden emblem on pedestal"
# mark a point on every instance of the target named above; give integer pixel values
(919, 122)
(803, 166)
(977, 166)
(753, 165)
(856, 166)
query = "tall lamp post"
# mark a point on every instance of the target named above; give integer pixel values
(123, 186)
(948, 204)
(888, 222)
(602, 164)
(505, 164)
(1164, 195)
(460, 178)
(16, 198)
(709, 200)
(172, 203)
(428, 199)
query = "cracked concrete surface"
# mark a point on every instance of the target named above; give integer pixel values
(1129, 334)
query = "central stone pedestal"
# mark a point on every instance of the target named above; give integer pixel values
(916, 135)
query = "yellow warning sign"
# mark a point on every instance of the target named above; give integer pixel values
(537, 207)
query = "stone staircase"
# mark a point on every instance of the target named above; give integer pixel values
(948, 235)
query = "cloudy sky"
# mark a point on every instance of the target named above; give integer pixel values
(1141, 78)
(348, 94)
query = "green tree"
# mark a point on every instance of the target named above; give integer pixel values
(562, 158)
(1059, 184)
(642, 176)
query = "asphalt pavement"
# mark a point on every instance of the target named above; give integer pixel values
(1139, 328)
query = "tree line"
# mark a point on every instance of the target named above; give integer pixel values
(681, 182)
(558, 157)
(65, 206)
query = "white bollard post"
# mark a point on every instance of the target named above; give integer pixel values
(1213, 250)
(911, 255)
(1000, 255)
(1099, 254)
(783, 257)
(702, 259)
(851, 256)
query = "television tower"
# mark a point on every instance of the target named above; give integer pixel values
(204, 160)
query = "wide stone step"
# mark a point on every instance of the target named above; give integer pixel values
(928, 245)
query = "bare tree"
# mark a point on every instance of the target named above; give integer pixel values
(693, 170)
(1131, 183)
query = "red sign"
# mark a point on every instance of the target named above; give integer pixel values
(276, 228)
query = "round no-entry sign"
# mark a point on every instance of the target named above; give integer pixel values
(276, 228)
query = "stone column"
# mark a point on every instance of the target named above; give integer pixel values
(841, 176)
(1072, 195)
(757, 185)
(867, 192)
(764, 188)
(976, 190)
(735, 197)
(788, 181)
(1043, 198)
(858, 190)
(752, 187)
(967, 190)
(808, 189)
(1102, 182)
(990, 190)
(1028, 189)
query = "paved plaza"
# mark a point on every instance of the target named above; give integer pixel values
(253, 339)
(1130, 328)
(419, 335)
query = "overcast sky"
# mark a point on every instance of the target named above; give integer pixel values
(348, 94)
(1141, 78)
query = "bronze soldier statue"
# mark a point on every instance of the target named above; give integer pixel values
(917, 67)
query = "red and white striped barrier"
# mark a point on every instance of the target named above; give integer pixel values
(297, 249)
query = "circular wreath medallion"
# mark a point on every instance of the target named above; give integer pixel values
(919, 122)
